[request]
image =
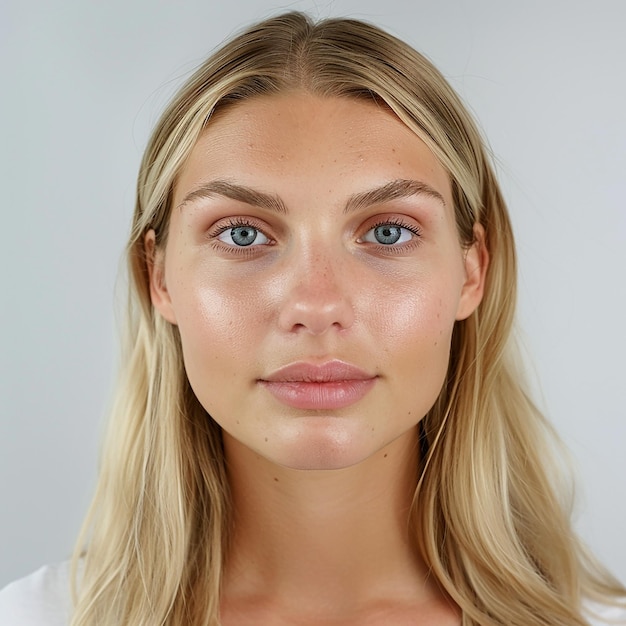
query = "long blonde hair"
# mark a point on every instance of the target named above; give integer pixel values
(487, 515)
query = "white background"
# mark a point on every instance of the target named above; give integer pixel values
(82, 82)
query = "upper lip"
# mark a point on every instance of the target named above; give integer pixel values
(330, 371)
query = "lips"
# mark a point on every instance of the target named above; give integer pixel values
(331, 385)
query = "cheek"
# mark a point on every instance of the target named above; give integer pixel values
(424, 314)
(218, 321)
(417, 330)
(211, 305)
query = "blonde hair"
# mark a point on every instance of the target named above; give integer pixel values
(487, 518)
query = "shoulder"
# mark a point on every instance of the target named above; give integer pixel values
(40, 599)
(605, 614)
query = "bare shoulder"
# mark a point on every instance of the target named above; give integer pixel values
(39, 599)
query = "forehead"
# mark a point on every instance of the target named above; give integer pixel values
(296, 136)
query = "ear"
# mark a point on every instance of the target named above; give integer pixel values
(476, 259)
(155, 261)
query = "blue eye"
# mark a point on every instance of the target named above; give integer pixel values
(389, 234)
(243, 235)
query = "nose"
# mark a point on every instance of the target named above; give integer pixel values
(317, 297)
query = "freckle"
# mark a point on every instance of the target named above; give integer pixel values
(372, 429)
(275, 479)
(237, 421)
(265, 438)
(385, 455)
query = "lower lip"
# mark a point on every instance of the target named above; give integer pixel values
(319, 396)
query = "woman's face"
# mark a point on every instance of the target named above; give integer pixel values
(315, 274)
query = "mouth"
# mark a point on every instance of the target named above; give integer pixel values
(331, 385)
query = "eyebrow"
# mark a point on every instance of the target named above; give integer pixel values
(401, 188)
(240, 193)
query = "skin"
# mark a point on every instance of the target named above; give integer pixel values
(320, 496)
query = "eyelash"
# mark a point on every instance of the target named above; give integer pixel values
(249, 250)
(394, 221)
(214, 233)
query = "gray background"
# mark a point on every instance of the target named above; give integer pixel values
(81, 84)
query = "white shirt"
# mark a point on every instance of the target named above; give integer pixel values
(43, 599)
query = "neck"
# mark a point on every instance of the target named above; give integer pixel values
(334, 537)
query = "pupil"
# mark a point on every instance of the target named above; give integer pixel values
(387, 234)
(243, 235)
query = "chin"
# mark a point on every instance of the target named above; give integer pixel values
(324, 443)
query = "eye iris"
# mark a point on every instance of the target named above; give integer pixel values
(387, 233)
(243, 235)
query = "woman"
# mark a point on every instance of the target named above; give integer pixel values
(320, 419)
